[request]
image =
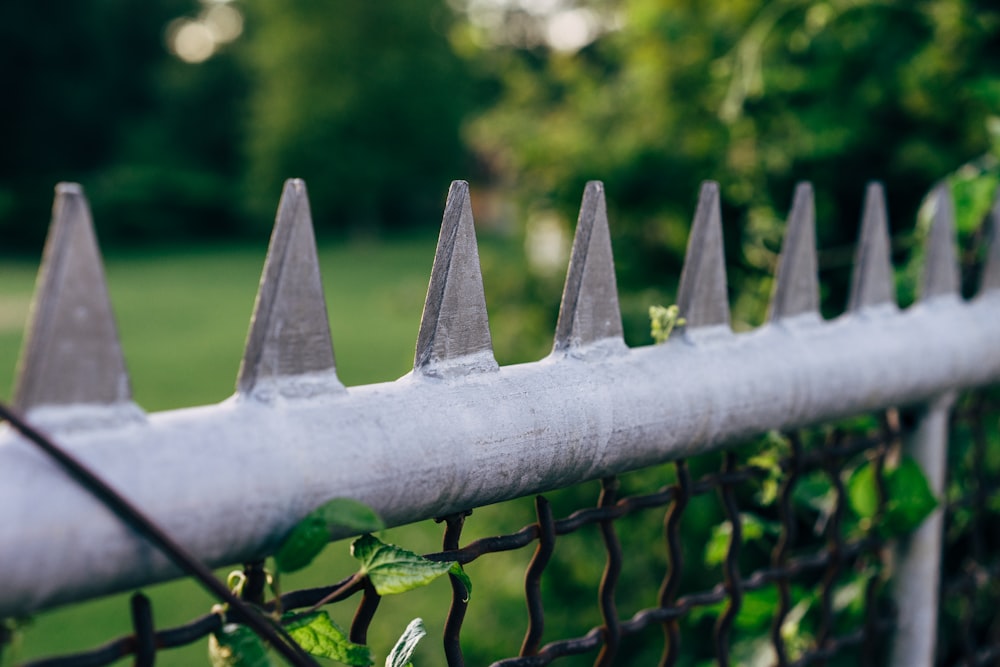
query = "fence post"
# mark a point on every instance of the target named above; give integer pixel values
(916, 584)
(917, 579)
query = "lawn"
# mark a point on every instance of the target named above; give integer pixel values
(183, 315)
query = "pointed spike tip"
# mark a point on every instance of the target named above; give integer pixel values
(289, 334)
(796, 289)
(702, 298)
(71, 352)
(941, 272)
(454, 337)
(872, 282)
(991, 271)
(68, 188)
(589, 312)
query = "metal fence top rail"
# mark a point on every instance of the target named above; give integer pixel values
(229, 480)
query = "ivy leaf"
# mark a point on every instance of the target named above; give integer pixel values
(320, 636)
(403, 650)
(312, 533)
(910, 497)
(237, 646)
(394, 570)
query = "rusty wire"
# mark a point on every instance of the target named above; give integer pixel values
(819, 562)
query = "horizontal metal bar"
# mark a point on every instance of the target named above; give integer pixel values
(228, 481)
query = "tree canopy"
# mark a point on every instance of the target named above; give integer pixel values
(755, 95)
(380, 104)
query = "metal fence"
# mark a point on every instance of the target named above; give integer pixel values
(473, 433)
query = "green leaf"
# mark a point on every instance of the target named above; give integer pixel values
(718, 543)
(973, 192)
(350, 515)
(849, 598)
(394, 570)
(755, 614)
(815, 493)
(754, 528)
(773, 447)
(237, 646)
(862, 493)
(458, 572)
(910, 497)
(320, 636)
(403, 650)
(757, 610)
(309, 537)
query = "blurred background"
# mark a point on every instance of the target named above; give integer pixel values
(182, 119)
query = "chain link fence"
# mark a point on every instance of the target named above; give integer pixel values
(800, 564)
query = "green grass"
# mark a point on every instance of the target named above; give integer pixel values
(183, 316)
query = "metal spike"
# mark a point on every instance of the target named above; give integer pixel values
(991, 271)
(589, 310)
(702, 299)
(941, 273)
(290, 332)
(872, 281)
(71, 354)
(796, 289)
(454, 337)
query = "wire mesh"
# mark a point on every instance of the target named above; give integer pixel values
(762, 560)
(969, 626)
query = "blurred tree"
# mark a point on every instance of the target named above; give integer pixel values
(362, 99)
(658, 95)
(92, 95)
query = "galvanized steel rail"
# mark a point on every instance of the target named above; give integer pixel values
(228, 480)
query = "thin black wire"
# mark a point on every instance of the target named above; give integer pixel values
(612, 570)
(533, 577)
(675, 562)
(459, 595)
(731, 567)
(786, 539)
(145, 633)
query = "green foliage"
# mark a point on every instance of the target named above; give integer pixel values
(662, 322)
(320, 636)
(815, 494)
(974, 190)
(394, 570)
(237, 646)
(756, 610)
(753, 527)
(909, 497)
(313, 532)
(390, 569)
(774, 447)
(101, 101)
(403, 650)
(756, 95)
(364, 102)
